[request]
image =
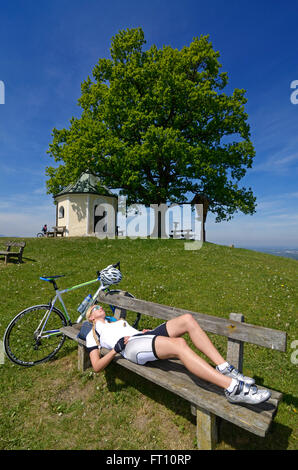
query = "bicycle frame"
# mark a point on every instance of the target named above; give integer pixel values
(58, 296)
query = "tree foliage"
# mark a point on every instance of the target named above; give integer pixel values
(158, 124)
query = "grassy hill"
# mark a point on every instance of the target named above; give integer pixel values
(53, 406)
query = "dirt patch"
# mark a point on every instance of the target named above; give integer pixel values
(76, 391)
(143, 417)
(177, 431)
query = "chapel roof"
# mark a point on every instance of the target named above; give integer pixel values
(87, 183)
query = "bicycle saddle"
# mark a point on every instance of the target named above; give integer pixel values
(51, 278)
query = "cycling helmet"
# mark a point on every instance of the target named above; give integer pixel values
(110, 275)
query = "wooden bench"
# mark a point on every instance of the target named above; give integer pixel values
(13, 254)
(186, 234)
(207, 401)
(57, 231)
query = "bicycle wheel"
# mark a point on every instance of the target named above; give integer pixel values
(33, 336)
(40, 234)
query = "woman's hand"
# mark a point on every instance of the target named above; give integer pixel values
(120, 345)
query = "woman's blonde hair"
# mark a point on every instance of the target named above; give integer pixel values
(88, 313)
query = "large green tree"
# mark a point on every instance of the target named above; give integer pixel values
(158, 124)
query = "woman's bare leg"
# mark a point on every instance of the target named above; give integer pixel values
(178, 348)
(177, 327)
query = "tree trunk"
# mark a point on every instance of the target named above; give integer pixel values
(202, 199)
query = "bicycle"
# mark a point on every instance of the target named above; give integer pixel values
(43, 233)
(33, 336)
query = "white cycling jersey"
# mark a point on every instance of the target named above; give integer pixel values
(140, 347)
(109, 333)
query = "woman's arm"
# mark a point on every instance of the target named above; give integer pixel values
(99, 363)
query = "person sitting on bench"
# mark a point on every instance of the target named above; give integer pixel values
(165, 342)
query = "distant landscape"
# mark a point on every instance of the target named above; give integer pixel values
(285, 252)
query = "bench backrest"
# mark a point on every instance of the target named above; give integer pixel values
(20, 245)
(266, 337)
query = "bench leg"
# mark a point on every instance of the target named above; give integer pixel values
(83, 358)
(207, 434)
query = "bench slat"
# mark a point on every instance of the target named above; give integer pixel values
(18, 244)
(173, 376)
(246, 332)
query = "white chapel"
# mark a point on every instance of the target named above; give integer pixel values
(87, 208)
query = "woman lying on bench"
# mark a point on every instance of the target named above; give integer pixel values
(165, 342)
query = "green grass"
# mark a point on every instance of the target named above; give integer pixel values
(53, 406)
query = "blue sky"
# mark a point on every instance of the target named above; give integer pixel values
(49, 47)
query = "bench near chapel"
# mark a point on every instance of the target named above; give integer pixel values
(207, 401)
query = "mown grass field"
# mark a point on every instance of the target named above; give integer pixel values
(53, 406)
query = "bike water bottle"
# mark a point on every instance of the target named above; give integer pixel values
(83, 306)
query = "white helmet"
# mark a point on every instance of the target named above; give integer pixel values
(110, 275)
